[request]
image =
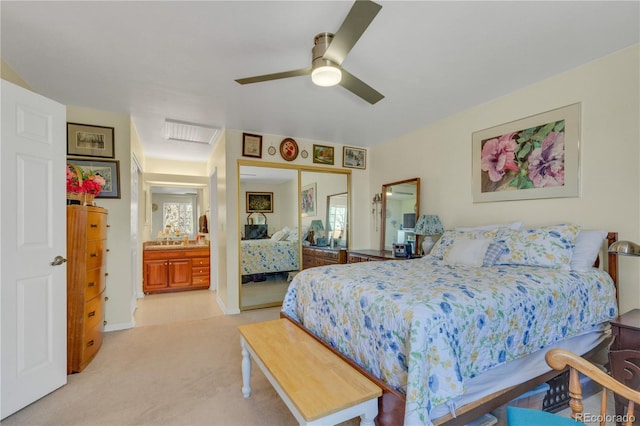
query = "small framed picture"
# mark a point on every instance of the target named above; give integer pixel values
(355, 158)
(251, 145)
(108, 169)
(90, 141)
(322, 154)
(259, 202)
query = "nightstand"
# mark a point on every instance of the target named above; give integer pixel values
(626, 329)
(625, 352)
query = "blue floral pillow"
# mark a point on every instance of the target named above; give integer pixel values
(549, 246)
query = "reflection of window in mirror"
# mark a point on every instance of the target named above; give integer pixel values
(176, 211)
(337, 219)
(178, 217)
(400, 201)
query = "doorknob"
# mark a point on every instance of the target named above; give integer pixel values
(59, 260)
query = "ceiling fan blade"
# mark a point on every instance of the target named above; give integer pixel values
(360, 88)
(360, 16)
(275, 76)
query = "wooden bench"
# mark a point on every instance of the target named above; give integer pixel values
(317, 386)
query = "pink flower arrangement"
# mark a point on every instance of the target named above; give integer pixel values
(87, 182)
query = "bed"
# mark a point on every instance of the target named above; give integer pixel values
(266, 256)
(435, 331)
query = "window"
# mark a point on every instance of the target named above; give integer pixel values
(178, 216)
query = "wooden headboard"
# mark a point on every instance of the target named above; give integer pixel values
(612, 261)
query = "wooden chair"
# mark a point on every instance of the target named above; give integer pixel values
(560, 359)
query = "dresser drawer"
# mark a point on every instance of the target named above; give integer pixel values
(93, 313)
(200, 261)
(198, 271)
(90, 345)
(96, 226)
(200, 280)
(95, 254)
(94, 283)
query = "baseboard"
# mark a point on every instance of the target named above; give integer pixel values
(121, 326)
(224, 308)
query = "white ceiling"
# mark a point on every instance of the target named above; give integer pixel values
(174, 59)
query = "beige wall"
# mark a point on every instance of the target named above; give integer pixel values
(440, 154)
(7, 73)
(120, 289)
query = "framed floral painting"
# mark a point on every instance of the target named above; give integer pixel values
(108, 169)
(530, 158)
(259, 202)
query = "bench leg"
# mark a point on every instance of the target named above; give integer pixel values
(246, 369)
(370, 412)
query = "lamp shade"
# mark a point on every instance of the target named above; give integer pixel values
(428, 224)
(316, 225)
(625, 248)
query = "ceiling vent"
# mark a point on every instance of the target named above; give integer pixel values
(190, 132)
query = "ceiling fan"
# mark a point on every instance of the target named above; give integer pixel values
(330, 50)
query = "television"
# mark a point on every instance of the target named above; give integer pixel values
(408, 221)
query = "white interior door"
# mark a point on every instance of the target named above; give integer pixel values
(33, 292)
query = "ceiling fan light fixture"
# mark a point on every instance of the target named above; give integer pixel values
(326, 76)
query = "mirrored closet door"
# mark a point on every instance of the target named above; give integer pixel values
(269, 246)
(282, 210)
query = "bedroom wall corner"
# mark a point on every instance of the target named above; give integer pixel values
(609, 92)
(119, 264)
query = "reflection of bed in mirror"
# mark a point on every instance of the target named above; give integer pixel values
(280, 253)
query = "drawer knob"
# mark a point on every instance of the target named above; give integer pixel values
(92, 314)
(91, 284)
(93, 255)
(90, 343)
(94, 225)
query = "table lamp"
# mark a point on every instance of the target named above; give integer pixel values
(625, 248)
(315, 227)
(428, 225)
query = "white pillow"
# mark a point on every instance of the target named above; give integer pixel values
(514, 225)
(293, 235)
(279, 235)
(588, 245)
(467, 252)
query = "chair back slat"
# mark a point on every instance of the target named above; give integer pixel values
(559, 359)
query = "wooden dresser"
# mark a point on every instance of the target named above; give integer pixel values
(319, 256)
(176, 268)
(355, 256)
(86, 282)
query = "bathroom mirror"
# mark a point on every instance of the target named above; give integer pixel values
(400, 210)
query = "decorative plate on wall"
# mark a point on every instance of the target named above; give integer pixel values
(289, 149)
(304, 153)
(272, 150)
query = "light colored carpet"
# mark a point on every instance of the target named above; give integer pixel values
(182, 373)
(185, 373)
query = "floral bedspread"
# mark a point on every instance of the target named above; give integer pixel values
(424, 327)
(263, 256)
